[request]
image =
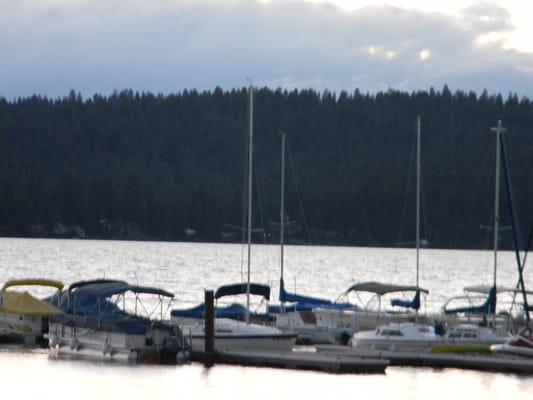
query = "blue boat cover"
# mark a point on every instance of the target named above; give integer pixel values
(381, 289)
(241, 288)
(489, 307)
(107, 288)
(304, 303)
(279, 309)
(91, 298)
(414, 303)
(80, 284)
(87, 304)
(233, 311)
(286, 297)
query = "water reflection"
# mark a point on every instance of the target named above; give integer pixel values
(33, 374)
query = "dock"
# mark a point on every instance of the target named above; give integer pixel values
(311, 361)
(299, 360)
(480, 362)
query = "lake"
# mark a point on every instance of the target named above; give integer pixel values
(188, 268)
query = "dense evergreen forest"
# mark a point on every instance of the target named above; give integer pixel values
(171, 167)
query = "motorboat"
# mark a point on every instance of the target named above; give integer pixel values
(520, 344)
(102, 319)
(398, 337)
(233, 334)
(470, 338)
(23, 316)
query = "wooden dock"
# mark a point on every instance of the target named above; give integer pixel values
(480, 362)
(312, 361)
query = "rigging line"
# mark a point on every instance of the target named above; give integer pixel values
(298, 194)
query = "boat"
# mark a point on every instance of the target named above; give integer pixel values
(520, 344)
(491, 309)
(231, 335)
(295, 313)
(235, 311)
(24, 317)
(96, 323)
(368, 315)
(477, 306)
(405, 337)
(366, 318)
(423, 338)
(470, 338)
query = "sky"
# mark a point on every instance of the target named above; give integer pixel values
(49, 47)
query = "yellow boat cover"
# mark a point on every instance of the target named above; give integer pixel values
(24, 304)
(34, 282)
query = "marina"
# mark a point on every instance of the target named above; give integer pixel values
(165, 265)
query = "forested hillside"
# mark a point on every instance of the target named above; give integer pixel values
(171, 166)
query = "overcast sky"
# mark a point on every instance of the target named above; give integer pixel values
(96, 46)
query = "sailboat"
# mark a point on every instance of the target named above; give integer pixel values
(295, 312)
(230, 334)
(406, 336)
(520, 344)
(480, 313)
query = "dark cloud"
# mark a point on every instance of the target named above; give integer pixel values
(165, 46)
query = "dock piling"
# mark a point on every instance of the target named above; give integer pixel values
(209, 322)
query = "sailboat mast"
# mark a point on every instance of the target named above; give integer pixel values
(282, 224)
(417, 207)
(499, 130)
(417, 200)
(250, 174)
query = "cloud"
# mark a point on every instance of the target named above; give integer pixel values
(50, 47)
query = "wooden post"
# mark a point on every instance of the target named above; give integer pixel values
(209, 324)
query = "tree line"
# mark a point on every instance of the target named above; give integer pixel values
(173, 165)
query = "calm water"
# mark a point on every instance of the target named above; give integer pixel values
(187, 269)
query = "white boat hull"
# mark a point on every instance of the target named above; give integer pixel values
(19, 328)
(107, 345)
(306, 329)
(510, 349)
(233, 335)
